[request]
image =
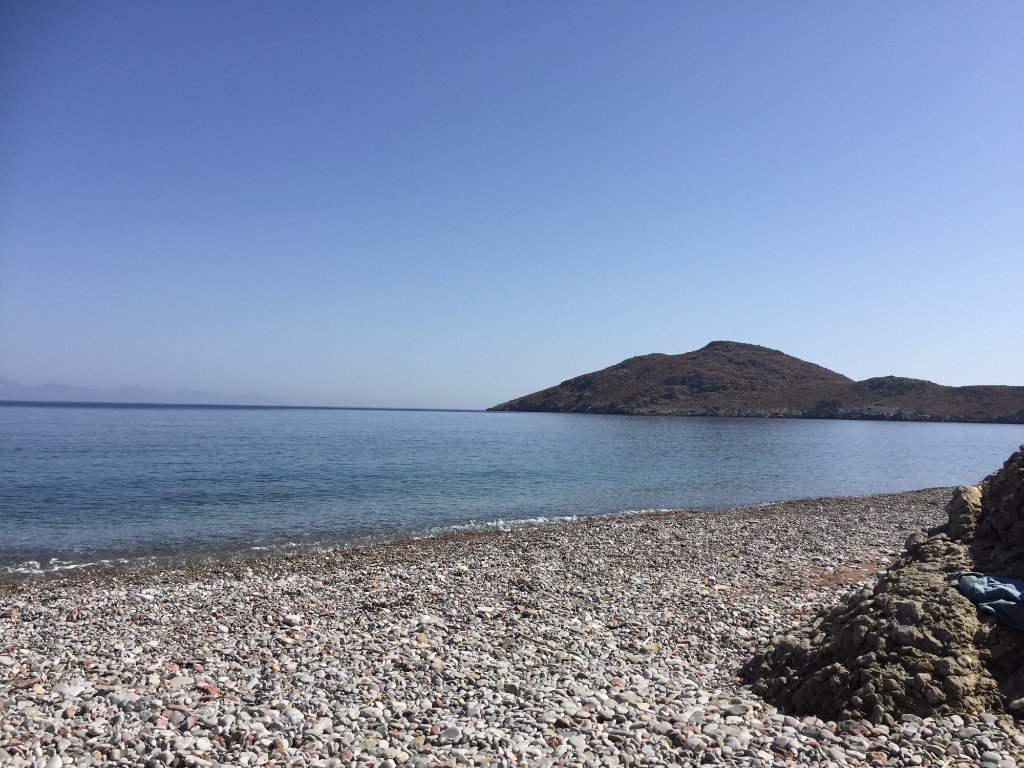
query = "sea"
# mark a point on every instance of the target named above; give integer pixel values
(104, 486)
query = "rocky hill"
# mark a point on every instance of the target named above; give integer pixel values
(727, 378)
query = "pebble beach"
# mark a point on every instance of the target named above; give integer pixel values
(607, 641)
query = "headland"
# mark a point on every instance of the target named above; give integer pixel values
(727, 378)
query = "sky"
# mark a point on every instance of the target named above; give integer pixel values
(454, 204)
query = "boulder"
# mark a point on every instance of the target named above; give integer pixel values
(911, 643)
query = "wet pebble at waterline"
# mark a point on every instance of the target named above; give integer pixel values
(607, 641)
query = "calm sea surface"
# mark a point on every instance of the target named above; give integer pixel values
(84, 484)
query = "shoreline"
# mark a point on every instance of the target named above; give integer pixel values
(103, 566)
(607, 640)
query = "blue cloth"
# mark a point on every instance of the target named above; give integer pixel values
(1003, 598)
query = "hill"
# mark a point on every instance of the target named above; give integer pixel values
(727, 378)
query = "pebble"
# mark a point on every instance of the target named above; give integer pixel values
(610, 641)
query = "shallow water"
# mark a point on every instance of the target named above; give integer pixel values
(83, 484)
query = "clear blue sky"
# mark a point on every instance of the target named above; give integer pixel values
(452, 204)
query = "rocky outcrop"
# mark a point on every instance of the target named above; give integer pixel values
(998, 544)
(911, 643)
(727, 378)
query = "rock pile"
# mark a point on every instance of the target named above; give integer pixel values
(911, 644)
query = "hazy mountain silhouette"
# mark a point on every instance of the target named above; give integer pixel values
(51, 391)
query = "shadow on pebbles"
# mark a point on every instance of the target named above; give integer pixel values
(603, 642)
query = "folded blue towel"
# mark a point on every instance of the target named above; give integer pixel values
(1003, 598)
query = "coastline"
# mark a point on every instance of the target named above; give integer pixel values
(611, 640)
(172, 563)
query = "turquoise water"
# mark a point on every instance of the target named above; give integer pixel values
(83, 484)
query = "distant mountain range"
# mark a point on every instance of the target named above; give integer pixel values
(54, 392)
(727, 378)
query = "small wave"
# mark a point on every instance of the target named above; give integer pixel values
(634, 512)
(174, 559)
(55, 565)
(501, 524)
(518, 524)
(29, 566)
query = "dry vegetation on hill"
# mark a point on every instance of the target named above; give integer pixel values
(727, 378)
